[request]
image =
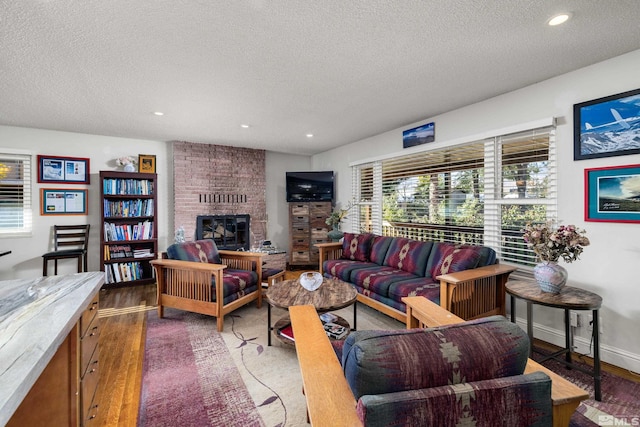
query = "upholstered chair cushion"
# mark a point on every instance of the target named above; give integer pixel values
(454, 259)
(356, 247)
(379, 248)
(378, 362)
(521, 400)
(408, 255)
(198, 251)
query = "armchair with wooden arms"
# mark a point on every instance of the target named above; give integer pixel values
(197, 277)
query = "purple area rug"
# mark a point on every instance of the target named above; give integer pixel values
(189, 377)
(619, 403)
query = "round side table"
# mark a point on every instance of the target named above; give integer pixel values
(569, 298)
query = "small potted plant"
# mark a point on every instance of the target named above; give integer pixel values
(335, 219)
(551, 243)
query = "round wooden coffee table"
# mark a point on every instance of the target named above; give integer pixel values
(333, 294)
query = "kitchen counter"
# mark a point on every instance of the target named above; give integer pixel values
(36, 316)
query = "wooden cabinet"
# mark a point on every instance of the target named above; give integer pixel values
(64, 394)
(307, 227)
(89, 354)
(129, 235)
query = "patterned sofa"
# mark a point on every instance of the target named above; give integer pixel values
(192, 276)
(470, 373)
(464, 279)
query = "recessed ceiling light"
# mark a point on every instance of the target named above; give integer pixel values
(309, 135)
(244, 126)
(158, 113)
(558, 19)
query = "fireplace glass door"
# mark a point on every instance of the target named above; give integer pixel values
(230, 232)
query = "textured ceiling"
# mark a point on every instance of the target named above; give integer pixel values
(342, 70)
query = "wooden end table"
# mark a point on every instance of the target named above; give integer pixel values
(569, 298)
(333, 294)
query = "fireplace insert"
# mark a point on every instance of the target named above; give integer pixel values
(230, 232)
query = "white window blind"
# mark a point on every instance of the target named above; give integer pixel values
(526, 189)
(481, 192)
(15, 194)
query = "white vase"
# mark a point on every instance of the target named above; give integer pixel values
(551, 276)
(129, 168)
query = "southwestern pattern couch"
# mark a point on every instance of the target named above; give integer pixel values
(470, 373)
(464, 279)
(196, 276)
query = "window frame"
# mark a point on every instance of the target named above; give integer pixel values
(370, 212)
(26, 181)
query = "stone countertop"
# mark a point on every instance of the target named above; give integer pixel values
(36, 316)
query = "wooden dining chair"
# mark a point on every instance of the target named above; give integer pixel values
(69, 241)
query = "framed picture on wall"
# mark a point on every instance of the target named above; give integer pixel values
(419, 135)
(608, 126)
(60, 201)
(63, 170)
(612, 194)
(147, 163)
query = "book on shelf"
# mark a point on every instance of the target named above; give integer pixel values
(123, 272)
(335, 331)
(287, 332)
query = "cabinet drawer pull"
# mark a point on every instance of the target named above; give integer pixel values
(92, 371)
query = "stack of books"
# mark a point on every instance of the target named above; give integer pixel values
(332, 329)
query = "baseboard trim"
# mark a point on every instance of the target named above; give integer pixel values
(617, 357)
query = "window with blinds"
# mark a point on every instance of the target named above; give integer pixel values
(479, 193)
(15, 194)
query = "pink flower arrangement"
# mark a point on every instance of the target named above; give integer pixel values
(550, 244)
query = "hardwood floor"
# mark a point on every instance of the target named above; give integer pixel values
(123, 322)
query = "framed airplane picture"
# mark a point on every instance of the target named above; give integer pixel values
(608, 126)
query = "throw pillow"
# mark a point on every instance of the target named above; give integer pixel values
(456, 258)
(198, 251)
(356, 247)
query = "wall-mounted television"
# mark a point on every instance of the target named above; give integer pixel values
(316, 186)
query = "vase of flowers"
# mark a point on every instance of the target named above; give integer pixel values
(550, 244)
(128, 163)
(334, 220)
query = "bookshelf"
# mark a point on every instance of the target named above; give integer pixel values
(129, 232)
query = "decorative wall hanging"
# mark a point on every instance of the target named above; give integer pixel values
(147, 163)
(612, 194)
(59, 201)
(608, 126)
(63, 170)
(419, 135)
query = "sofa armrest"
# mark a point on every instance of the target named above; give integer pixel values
(474, 293)
(330, 401)
(187, 279)
(328, 251)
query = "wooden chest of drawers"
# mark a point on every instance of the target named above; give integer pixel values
(307, 227)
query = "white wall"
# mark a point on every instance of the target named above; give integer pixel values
(277, 208)
(25, 261)
(607, 267)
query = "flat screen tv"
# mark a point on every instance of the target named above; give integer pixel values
(314, 186)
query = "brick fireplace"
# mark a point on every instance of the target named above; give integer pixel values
(219, 180)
